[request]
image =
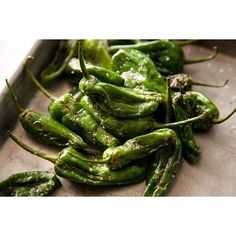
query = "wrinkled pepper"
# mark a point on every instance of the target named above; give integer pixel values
(68, 111)
(32, 183)
(138, 71)
(96, 53)
(167, 55)
(119, 101)
(196, 103)
(55, 69)
(46, 129)
(138, 147)
(163, 169)
(104, 75)
(86, 169)
(127, 128)
(191, 151)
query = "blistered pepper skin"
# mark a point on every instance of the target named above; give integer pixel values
(164, 167)
(138, 147)
(73, 70)
(49, 131)
(88, 169)
(29, 184)
(167, 56)
(190, 149)
(120, 101)
(196, 103)
(138, 71)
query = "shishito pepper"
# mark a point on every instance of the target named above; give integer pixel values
(190, 149)
(138, 147)
(167, 55)
(68, 111)
(162, 171)
(96, 53)
(119, 101)
(195, 103)
(138, 71)
(105, 75)
(31, 183)
(46, 129)
(86, 169)
(126, 128)
(54, 70)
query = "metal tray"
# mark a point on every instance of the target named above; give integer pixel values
(213, 175)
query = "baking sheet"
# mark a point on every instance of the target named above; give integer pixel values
(213, 175)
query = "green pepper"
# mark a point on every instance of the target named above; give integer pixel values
(68, 111)
(54, 70)
(190, 149)
(165, 164)
(125, 128)
(105, 75)
(196, 103)
(82, 168)
(46, 129)
(167, 55)
(32, 183)
(96, 53)
(138, 70)
(138, 147)
(119, 101)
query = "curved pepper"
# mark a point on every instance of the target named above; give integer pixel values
(104, 75)
(166, 162)
(138, 71)
(126, 128)
(54, 70)
(32, 183)
(138, 147)
(167, 55)
(190, 149)
(82, 168)
(119, 101)
(196, 103)
(96, 53)
(46, 129)
(67, 110)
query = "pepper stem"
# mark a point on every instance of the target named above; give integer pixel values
(35, 81)
(169, 102)
(19, 108)
(186, 42)
(196, 60)
(210, 85)
(174, 124)
(81, 61)
(43, 155)
(221, 120)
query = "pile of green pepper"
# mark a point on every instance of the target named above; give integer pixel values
(131, 117)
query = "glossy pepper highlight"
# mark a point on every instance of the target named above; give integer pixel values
(138, 71)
